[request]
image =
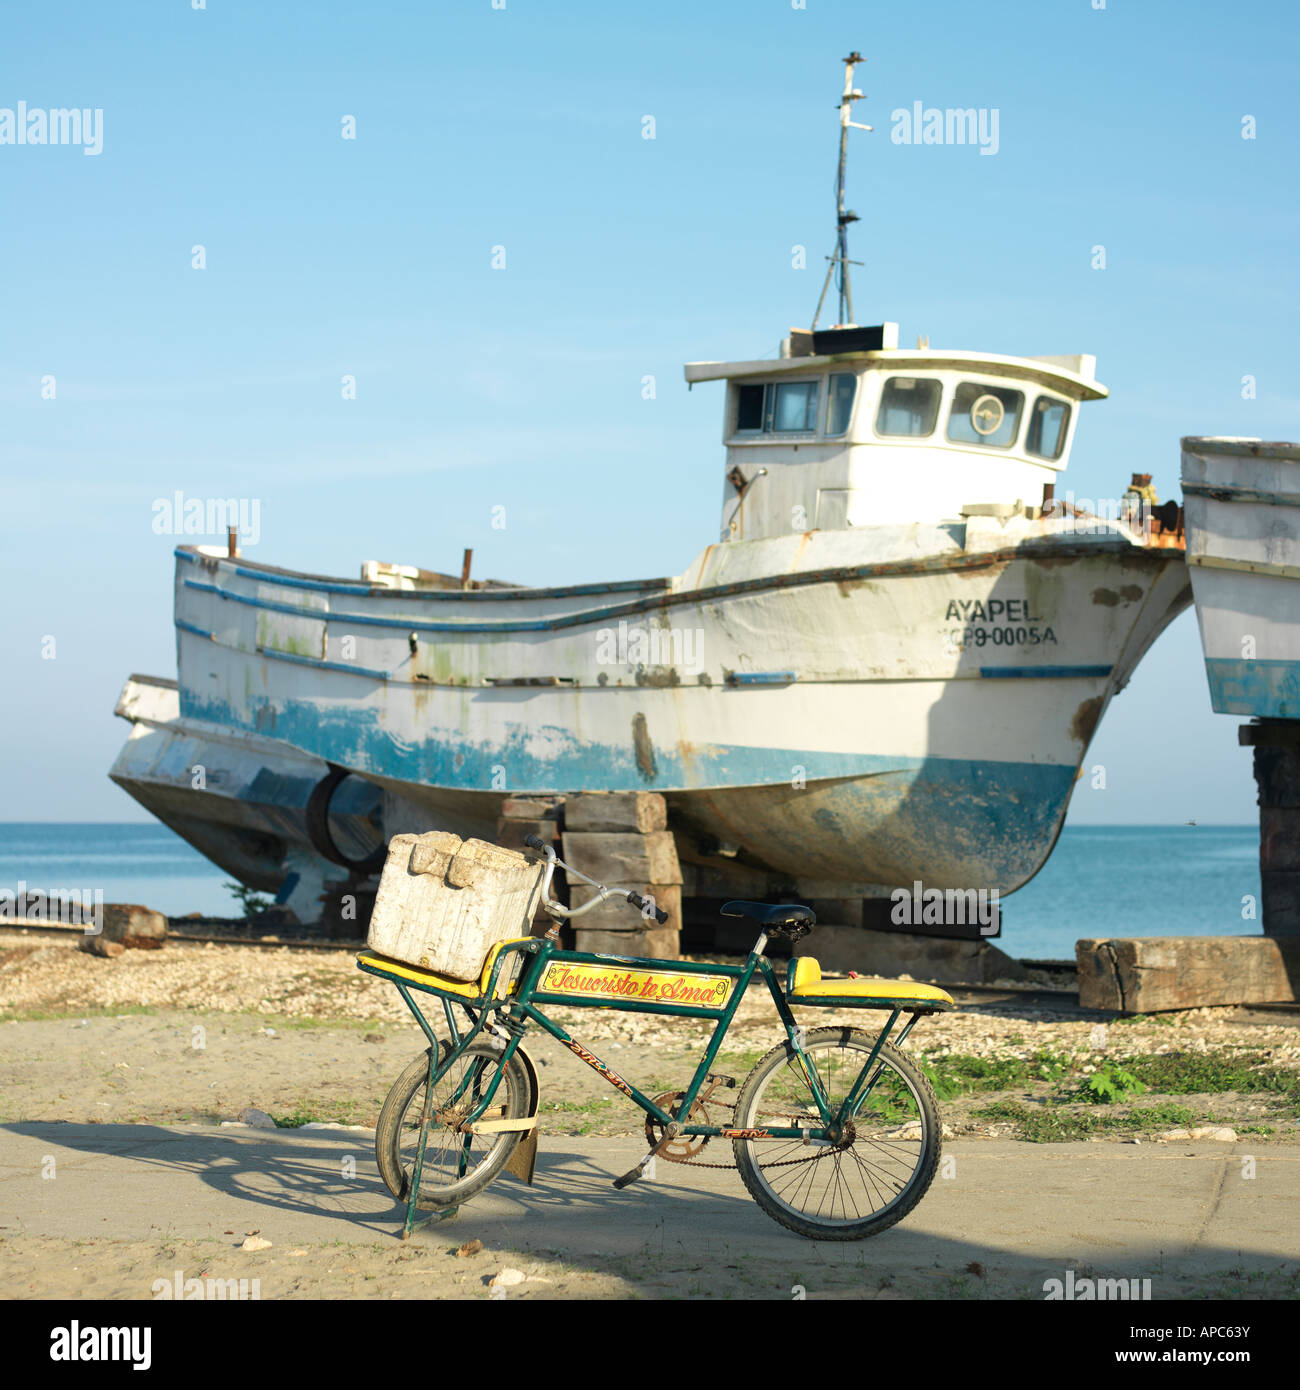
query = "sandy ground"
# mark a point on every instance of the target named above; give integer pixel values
(191, 1035)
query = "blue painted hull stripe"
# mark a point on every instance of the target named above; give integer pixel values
(322, 665)
(355, 737)
(361, 620)
(347, 667)
(1044, 672)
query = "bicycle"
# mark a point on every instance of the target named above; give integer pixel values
(836, 1135)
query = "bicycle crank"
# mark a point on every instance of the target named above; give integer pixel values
(705, 1111)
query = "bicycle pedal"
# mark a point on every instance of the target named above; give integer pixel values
(719, 1080)
(628, 1178)
(639, 1171)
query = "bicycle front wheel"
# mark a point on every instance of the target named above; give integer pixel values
(882, 1164)
(456, 1165)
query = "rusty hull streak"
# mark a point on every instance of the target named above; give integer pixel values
(645, 752)
(1108, 598)
(660, 678)
(1084, 723)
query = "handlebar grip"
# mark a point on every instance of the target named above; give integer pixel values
(639, 902)
(535, 842)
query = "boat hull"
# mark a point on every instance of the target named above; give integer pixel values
(1242, 502)
(260, 810)
(848, 709)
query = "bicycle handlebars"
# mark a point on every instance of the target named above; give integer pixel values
(645, 905)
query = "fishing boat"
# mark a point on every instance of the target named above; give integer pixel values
(886, 669)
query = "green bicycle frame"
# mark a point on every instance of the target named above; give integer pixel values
(508, 1017)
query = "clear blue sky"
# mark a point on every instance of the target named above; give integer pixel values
(522, 127)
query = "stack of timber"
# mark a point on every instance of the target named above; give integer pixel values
(621, 839)
(1277, 775)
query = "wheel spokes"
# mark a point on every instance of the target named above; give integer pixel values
(868, 1169)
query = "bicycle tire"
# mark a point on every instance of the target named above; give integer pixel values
(398, 1128)
(771, 1168)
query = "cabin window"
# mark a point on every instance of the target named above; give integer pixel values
(777, 407)
(794, 410)
(909, 407)
(839, 401)
(986, 415)
(749, 408)
(1047, 426)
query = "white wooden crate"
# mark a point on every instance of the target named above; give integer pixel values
(443, 902)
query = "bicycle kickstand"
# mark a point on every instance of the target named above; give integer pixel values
(630, 1177)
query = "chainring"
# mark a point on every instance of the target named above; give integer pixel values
(688, 1146)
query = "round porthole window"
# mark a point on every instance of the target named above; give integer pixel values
(986, 414)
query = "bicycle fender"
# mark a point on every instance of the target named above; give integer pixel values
(524, 1159)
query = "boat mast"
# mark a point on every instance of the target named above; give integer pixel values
(840, 260)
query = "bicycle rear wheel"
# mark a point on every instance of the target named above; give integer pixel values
(876, 1173)
(456, 1166)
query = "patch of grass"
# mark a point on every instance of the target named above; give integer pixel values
(1057, 1126)
(1044, 1126)
(1200, 1073)
(1109, 1084)
(960, 1074)
(1165, 1115)
(740, 1063)
(581, 1107)
(341, 1112)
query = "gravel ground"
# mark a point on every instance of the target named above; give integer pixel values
(52, 977)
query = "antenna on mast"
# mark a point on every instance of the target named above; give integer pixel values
(840, 260)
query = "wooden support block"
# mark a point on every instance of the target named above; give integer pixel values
(661, 942)
(1277, 775)
(623, 858)
(1148, 974)
(618, 915)
(134, 926)
(641, 812)
(530, 807)
(1279, 838)
(890, 954)
(1280, 902)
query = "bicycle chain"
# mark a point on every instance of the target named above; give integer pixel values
(654, 1132)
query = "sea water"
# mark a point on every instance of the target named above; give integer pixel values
(1140, 880)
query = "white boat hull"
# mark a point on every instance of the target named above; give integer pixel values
(859, 709)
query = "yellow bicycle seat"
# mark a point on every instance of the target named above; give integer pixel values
(474, 989)
(805, 985)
